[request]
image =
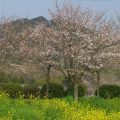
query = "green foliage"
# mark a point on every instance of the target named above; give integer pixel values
(81, 90)
(31, 91)
(9, 78)
(13, 90)
(59, 109)
(107, 104)
(3, 78)
(16, 91)
(55, 90)
(109, 91)
(69, 98)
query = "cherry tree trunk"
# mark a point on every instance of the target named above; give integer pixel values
(98, 83)
(47, 83)
(76, 91)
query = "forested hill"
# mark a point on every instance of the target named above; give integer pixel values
(25, 22)
(32, 21)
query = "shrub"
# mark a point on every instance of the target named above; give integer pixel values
(109, 91)
(9, 78)
(3, 78)
(55, 91)
(81, 90)
(31, 91)
(13, 90)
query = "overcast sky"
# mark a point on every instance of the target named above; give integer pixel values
(34, 8)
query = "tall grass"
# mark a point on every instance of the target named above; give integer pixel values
(59, 109)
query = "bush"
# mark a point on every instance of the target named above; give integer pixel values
(9, 78)
(13, 90)
(31, 91)
(109, 91)
(55, 91)
(81, 90)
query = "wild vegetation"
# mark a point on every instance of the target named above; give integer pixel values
(59, 109)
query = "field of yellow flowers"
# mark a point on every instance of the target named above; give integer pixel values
(59, 109)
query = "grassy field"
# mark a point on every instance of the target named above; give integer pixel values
(59, 109)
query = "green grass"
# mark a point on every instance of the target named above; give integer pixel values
(107, 104)
(59, 109)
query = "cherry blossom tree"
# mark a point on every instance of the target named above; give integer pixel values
(84, 41)
(70, 42)
(36, 49)
(8, 43)
(102, 50)
(9, 46)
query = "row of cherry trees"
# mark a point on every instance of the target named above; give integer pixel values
(77, 43)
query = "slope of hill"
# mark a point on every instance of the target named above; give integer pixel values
(22, 23)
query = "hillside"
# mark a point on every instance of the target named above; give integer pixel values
(25, 22)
